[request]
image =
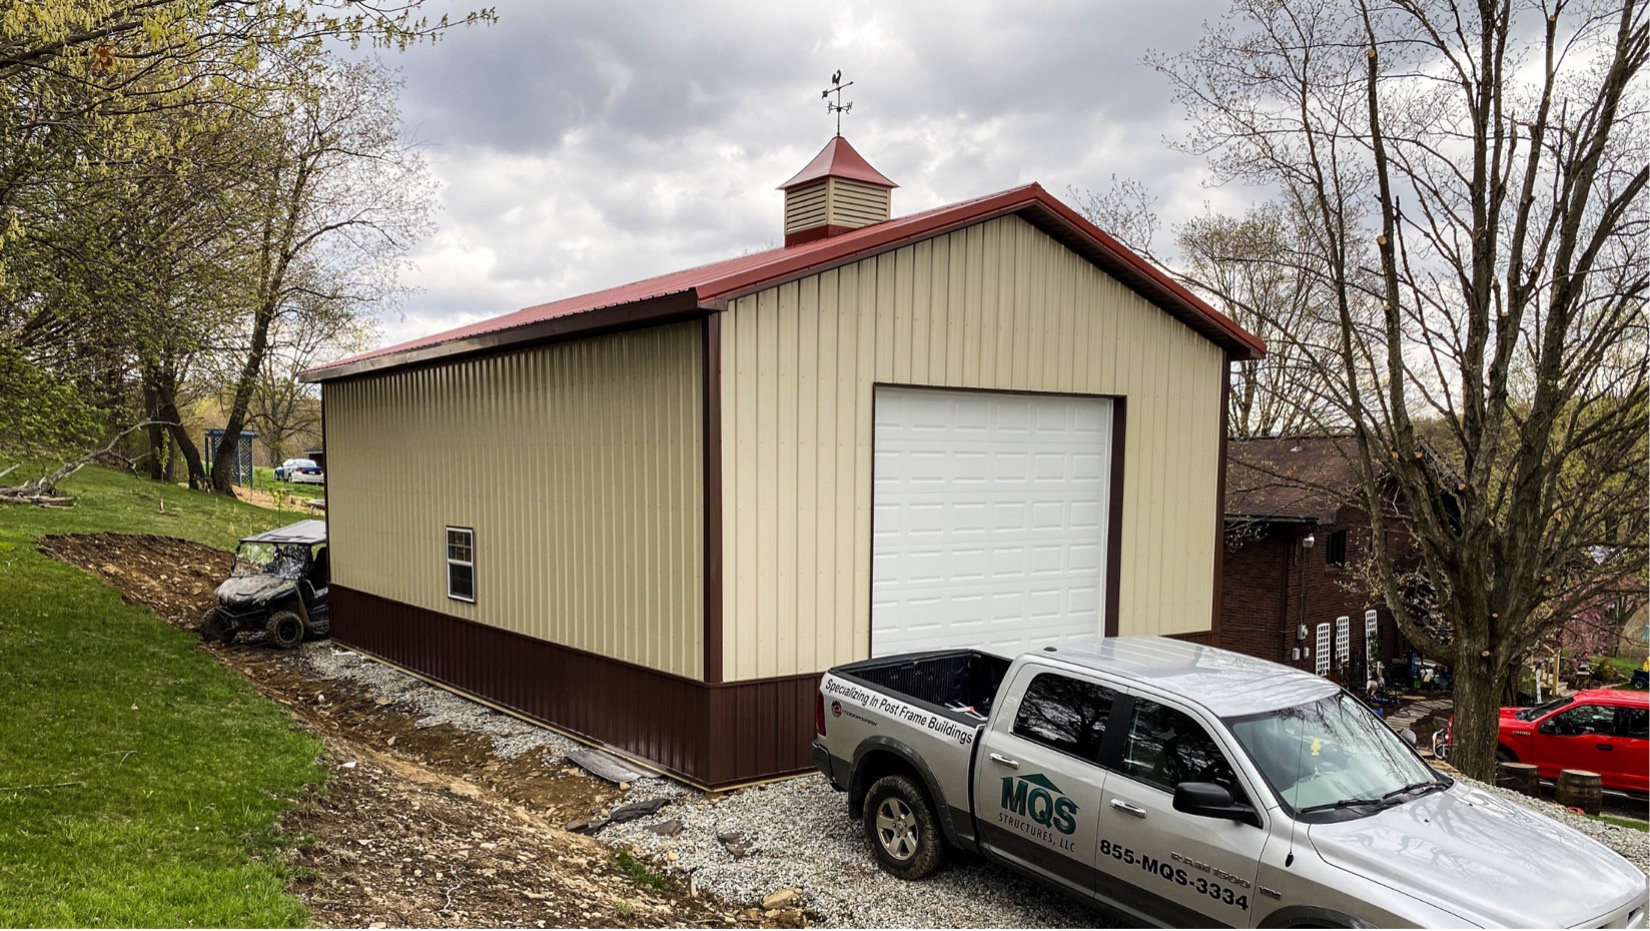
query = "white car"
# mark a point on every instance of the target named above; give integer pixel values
(300, 472)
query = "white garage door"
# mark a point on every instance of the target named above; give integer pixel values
(990, 516)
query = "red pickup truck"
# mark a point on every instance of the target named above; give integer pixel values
(1606, 731)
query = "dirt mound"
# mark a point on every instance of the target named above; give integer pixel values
(421, 851)
(174, 577)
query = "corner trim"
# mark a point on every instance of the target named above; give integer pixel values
(711, 475)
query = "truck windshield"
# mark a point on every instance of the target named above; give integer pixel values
(269, 559)
(1332, 755)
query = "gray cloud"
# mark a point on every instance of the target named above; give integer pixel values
(585, 145)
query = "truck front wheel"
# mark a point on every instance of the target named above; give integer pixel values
(902, 827)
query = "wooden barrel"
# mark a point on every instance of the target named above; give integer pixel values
(1519, 777)
(1578, 788)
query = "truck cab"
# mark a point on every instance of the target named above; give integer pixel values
(1181, 785)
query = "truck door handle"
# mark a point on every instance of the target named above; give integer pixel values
(1604, 746)
(1005, 761)
(1135, 810)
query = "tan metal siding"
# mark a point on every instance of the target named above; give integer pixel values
(998, 305)
(577, 463)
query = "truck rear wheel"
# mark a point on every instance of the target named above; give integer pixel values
(902, 827)
(286, 630)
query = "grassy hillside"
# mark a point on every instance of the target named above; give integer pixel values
(139, 779)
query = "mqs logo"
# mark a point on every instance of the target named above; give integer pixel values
(1035, 796)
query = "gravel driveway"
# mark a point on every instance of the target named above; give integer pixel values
(796, 834)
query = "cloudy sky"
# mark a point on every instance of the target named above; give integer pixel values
(581, 145)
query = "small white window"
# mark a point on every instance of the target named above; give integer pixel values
(1343, 640)
(1372, 638)
(461, 564)
(1321, 655)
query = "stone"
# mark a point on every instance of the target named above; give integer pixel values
(669, 828)
(779, 898)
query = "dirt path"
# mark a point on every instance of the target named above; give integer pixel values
(417, 826)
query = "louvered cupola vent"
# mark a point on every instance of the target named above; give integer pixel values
(838, 191)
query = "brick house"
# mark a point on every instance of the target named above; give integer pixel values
(1288, 592)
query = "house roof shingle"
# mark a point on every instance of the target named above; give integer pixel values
(1303, 478)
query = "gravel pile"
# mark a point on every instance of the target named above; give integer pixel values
(796, 834)
(511, 736)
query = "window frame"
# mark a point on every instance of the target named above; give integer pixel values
(1109, 743)
(447, 551)
(1324, 647)
(1343, 641)
(1372, 638)
(1334, 550)
(1218, 735)
(1549, 727)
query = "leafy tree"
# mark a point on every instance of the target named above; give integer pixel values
(341, 198)
(1470, 181)
(116, 114)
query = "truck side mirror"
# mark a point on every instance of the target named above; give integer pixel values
(1212, 800)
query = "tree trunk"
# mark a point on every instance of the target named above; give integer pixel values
(1477, 718)
(156, 432)
(223, 463)
(167, 393)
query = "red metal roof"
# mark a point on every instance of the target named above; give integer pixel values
(838, 159)
(711, 287)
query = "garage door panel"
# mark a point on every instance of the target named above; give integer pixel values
(990, 518)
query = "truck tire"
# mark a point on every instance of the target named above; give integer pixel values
(903, 830)
(213, 628)
(1504, 755)
(286, 629)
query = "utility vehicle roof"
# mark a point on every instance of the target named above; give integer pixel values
(304, 531)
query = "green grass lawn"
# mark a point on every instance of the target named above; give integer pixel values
(178, 768)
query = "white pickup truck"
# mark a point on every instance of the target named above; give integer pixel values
(1181, 785)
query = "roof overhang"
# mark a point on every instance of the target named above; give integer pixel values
(651, 312)
(714, 287)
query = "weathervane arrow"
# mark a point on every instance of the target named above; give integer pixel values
(838, 107)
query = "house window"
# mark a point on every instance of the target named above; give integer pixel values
(461, 564)
(1320, 658)
(1372, 639)
(1335, 553)
(1343, 640)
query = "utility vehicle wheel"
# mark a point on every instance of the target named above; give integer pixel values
(902, 827)
(1503, 755)
(286, 630)
(213, 628)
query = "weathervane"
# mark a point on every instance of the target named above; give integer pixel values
(839, 107)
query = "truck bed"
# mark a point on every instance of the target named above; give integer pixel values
(963, 683)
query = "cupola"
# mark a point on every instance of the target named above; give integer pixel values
(838, 191)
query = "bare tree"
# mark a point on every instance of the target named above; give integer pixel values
(1250, 267)
(343, 200)
(1473, 179)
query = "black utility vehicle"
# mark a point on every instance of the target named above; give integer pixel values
(278, 585)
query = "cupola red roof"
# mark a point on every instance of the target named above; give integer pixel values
(838, 160)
